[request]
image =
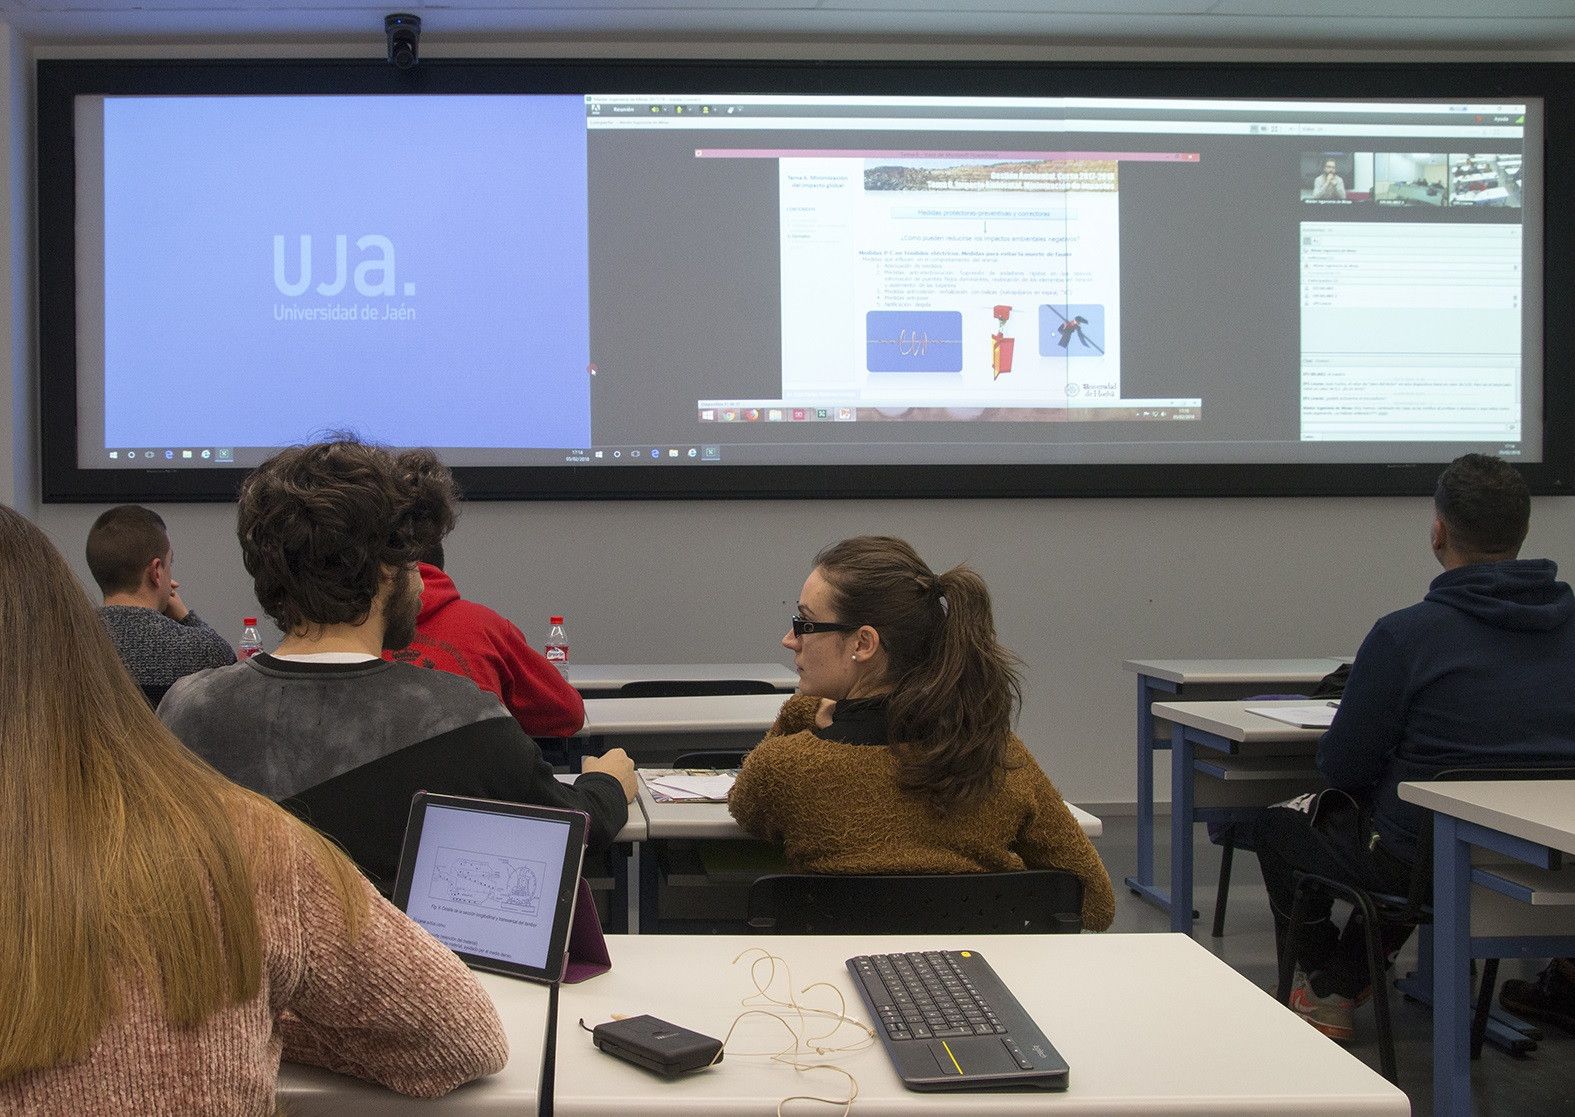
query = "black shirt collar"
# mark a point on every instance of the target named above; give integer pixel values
(857, 721)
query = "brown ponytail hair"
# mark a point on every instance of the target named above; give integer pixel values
(955, 690)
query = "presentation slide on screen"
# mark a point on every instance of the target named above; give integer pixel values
(639, 279)
(410, 268)
(487, 884)
(943, 282)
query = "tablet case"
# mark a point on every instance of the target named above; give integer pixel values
(657, 1045)
(587, 953)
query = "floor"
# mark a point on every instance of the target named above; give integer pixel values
(1539, 1084)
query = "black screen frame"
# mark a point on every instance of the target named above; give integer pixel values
(60, 81)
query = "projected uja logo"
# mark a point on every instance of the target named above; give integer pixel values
(373, 276)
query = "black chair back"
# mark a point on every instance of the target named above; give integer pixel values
(711, 758)
(693, 688)
(155, 694)
(1034, 901)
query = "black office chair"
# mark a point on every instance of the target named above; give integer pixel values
(711, 758)
(693, 688)
(1034, 901)
(154, 694)
(1413, 909)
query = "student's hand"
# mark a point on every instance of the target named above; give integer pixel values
(175, 609)
(616, 763)
(828, 706)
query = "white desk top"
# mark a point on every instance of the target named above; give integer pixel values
(635, 830)
(1541, 811)
(522, 1005)
(611, 676)
(712, 713)
(1226, 1047)
(1245, 671)
(1232, 721)
(712, 820)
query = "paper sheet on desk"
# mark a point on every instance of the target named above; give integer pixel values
(1318, 715)
(672, 786)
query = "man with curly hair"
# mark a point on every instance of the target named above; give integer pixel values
(330, 534)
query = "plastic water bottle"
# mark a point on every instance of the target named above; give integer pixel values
(251, 643)
(558, 645)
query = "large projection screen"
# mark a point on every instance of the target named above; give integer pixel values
(697, 279)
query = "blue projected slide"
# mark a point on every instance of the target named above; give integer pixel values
(913, 341)
(413, 269)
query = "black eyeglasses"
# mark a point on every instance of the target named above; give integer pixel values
(802, 627)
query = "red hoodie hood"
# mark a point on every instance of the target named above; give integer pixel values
(437, 592)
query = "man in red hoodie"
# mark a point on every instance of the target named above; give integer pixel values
(466, 638)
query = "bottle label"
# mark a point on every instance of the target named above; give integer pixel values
(557, 653)
(246, 653)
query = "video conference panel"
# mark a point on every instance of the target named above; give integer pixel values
(666, 291)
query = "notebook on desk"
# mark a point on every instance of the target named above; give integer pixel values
(949, 1022)
(497, 883)
(689, 785)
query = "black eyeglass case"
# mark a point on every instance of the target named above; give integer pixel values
(657, 1045)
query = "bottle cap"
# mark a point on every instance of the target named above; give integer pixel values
(249, 621)
(554, 620)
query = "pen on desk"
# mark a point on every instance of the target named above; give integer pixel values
(1335, 705)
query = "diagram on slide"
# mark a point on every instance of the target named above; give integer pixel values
(487, 880)
(913, 281)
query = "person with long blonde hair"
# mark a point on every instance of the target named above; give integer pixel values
(897, 754)
(169, 935)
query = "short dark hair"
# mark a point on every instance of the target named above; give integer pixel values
(1485, 504)
(120, 545)
(318, 524)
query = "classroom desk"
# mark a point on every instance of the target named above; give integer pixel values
(633, 718)
(605, 679)
(1158, 679)
(1523, 908)
(1248, 761)
(713, 822)
(709, 713)
(1092, 995)
(522, 1005)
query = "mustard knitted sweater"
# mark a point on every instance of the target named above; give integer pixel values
(837, 808)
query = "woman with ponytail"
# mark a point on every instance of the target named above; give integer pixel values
(897, 754)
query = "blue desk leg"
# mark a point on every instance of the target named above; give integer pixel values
(1180, 831)
(1451, 970)
(1149, 691)
(1504, 1029)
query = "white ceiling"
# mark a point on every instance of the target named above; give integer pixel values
(1542, 25)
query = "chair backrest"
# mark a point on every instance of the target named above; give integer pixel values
(1033, 901)
(693, 688)
(711, 758)
(154, 694)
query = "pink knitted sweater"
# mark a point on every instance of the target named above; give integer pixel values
(394, 1006)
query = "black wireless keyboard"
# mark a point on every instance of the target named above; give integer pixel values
(949, 1023)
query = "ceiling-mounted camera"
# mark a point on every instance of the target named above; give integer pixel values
(404, 39)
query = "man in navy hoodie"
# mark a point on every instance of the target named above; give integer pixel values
(1477, 674)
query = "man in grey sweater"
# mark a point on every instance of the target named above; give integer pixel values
(323, 724)
(158, 637)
